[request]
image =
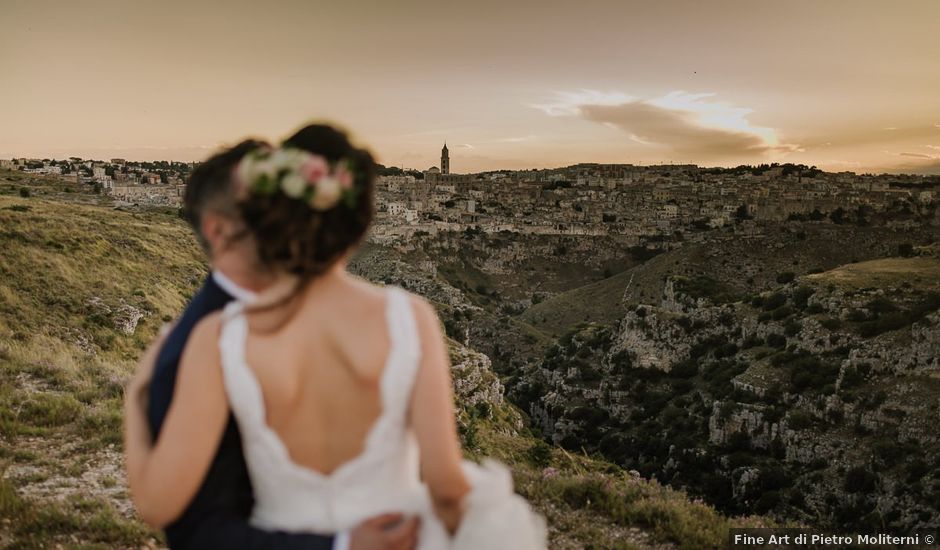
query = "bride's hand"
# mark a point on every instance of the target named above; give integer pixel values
(141, 378)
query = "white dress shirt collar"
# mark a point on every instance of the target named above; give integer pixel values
(233, 290)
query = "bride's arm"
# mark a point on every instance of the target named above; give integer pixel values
(434, 420)
(164, 476)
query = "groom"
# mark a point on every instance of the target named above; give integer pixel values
(217, 517)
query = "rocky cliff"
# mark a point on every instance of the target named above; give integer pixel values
(815, 399)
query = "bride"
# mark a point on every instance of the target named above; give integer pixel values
(341, 389)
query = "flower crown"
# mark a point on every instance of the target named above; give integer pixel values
(299, 175)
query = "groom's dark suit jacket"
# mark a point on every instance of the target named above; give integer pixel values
(217, 517)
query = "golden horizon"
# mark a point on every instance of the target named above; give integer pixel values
(842, 85)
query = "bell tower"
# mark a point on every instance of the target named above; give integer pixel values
(445, 160)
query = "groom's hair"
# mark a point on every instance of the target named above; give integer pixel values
(210, 187)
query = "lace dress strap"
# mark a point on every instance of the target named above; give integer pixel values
(244, 395)
(399, 375)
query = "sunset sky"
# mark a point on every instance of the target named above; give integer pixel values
(845, 85)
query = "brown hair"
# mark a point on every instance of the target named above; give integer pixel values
(294, 238)
(210, 186)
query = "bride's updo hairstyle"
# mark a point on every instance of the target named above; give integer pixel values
(307, 202)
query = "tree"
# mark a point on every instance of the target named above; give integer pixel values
(860, 480)
(861, 216)
(838, 216)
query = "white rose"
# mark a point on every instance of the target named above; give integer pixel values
(289, 159)
(298, 158)
(293, 185)
(246, 171)
(280, 159)
(326, 194)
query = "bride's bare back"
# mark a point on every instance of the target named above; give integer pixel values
(320, 370)
(318, 363)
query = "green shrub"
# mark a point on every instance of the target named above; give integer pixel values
(801, 296)
(808, 372)
(540, 453)
(782, 312)
(778, 341)
(860, 480)
(752, 341)
(49, 410)
(704, 287)
(799, 420)
(774, 301)
(852, 378)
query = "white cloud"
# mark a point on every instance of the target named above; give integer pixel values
(570, 103)
(688, 123)
(713, 114)
(915, 155)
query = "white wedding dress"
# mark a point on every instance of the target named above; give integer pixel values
(385, 476)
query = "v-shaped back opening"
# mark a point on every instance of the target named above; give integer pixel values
(393, 301)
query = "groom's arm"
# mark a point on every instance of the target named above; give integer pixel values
(231, 531)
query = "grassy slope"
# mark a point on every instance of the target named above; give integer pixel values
(743, 265)
(600, 302)
(920, 272)
(66, 272)
(63, 364)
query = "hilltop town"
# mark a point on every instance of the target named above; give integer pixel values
(639, 204)
(157, 183)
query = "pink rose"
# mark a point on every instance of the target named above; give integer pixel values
(314, 168)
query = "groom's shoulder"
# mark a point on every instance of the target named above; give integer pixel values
(209, 299)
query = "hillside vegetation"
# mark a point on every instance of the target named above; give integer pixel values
(813, 401)
(84, 287)
(732, 263)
